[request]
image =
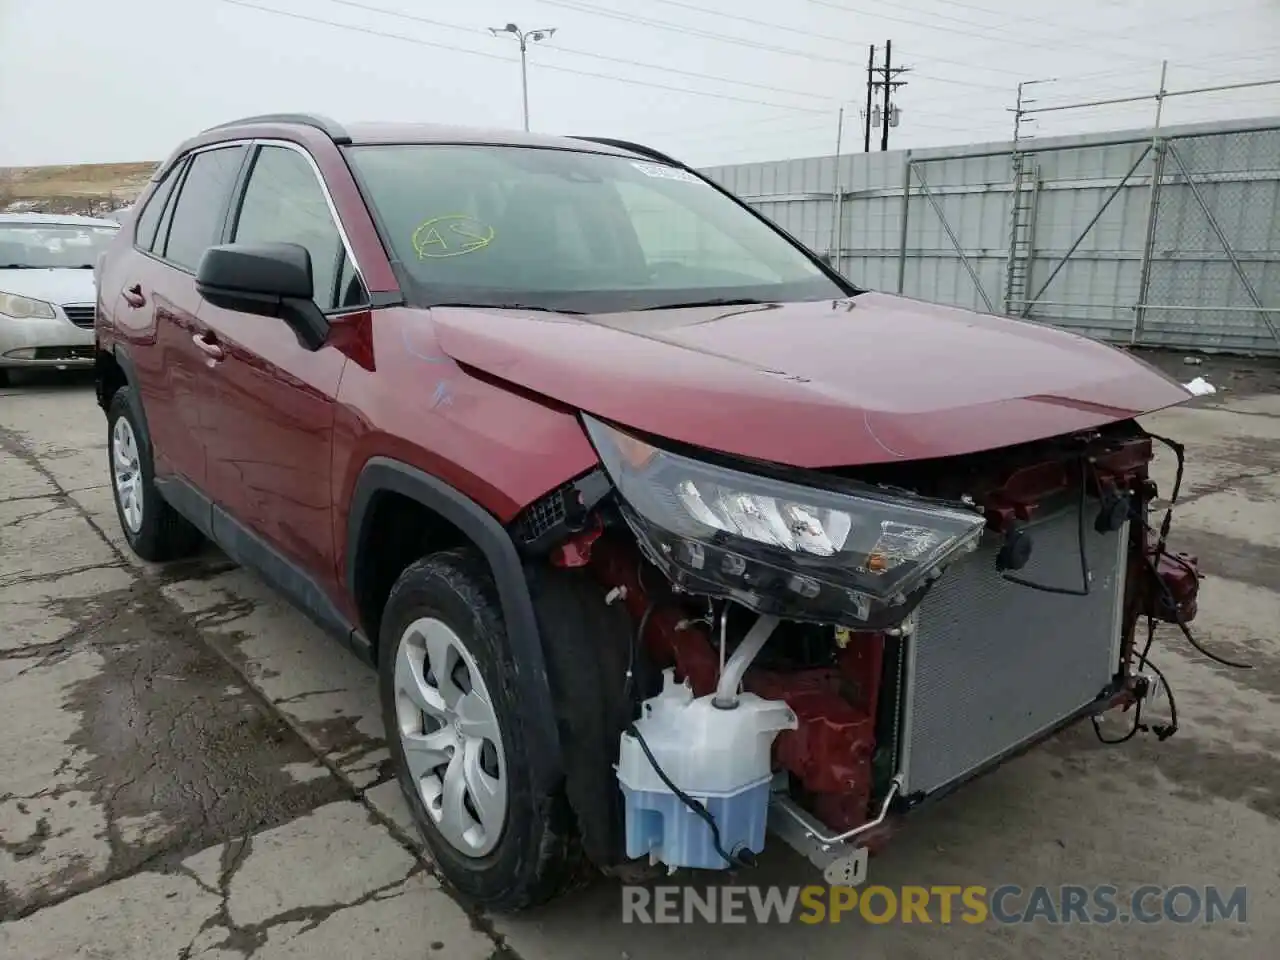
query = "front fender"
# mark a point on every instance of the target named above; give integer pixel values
(382, 474)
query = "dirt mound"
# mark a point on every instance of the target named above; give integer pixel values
(88, 188)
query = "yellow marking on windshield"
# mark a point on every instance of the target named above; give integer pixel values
(451, 235)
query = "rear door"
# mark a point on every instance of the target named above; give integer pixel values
(268, 405)
(157, 306)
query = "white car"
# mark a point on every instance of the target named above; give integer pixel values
(47, 289)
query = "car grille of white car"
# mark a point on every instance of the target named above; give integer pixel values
(82, 315)
(994, 664)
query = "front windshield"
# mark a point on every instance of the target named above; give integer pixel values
(562, 230)
(41, 245)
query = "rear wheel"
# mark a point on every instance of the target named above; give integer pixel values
(154, 530)
(455, 727)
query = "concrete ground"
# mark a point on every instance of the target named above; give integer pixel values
(189, 769)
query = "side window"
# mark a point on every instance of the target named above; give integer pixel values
(166, 218)
(350, 289)
(145, 227)
(200, 212)
(284, 203)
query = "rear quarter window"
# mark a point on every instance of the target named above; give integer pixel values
(148, 219)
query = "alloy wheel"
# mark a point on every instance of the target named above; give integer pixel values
(449, 732)
(126, 471)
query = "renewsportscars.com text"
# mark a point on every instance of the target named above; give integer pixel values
(1006, 904)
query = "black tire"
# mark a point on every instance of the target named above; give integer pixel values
(537, 855)
(4, 376)
(164, 534)
(587, 668)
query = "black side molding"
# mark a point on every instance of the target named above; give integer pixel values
(249, 550)
(482, 528)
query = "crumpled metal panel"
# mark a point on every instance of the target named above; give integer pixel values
(994, 663)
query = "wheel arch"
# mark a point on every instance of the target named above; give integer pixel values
(113, 370)
(382, 475)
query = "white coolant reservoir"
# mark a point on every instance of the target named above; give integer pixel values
(719, 757)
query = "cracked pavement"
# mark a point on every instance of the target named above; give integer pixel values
(190, 769)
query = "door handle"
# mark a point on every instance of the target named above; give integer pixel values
(208, 347)
(133, 296)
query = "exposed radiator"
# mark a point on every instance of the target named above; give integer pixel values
(993, 664)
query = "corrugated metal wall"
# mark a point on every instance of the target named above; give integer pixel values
(961, 226)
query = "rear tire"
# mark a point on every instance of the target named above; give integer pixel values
(4, 376)
(154, 530)
(455, 728)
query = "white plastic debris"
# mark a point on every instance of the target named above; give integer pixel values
(1200, 387)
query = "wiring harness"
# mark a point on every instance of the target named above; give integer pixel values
(1152, 561)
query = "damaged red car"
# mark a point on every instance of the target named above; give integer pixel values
(665, 538)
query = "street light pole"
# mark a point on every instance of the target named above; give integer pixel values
(524, 36)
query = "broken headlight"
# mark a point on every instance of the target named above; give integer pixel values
(853, 555)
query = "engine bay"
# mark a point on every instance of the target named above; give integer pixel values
(892, 698)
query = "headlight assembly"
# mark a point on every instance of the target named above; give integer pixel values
(25, 308)
(854, 555)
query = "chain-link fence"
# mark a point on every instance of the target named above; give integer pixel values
(1216, 244)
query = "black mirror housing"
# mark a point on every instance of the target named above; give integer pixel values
(266, 279)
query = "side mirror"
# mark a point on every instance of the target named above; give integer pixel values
(267, 279)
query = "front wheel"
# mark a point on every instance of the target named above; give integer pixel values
(455, 727)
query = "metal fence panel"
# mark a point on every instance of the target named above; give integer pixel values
(1229, 183)
(1070, 240)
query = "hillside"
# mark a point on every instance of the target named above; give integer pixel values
(89, 188)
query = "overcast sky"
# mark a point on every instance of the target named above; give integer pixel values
(713, 81)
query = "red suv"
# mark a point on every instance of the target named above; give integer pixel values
(658, 530)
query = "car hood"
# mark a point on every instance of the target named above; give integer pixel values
(54, 284)
(871, 379)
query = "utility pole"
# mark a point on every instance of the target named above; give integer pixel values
(888, 89)
(882, 78)
(871, 80)
(524, 36)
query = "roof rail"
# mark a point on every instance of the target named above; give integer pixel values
(634, 148)
(330, 128)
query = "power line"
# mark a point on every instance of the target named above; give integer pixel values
(1005, 15)
(738, 41)
(493, 56)
(584, 53)
(691, 31)
(659, 24)
(1217, 61)
(944, 25)
(695, 32)
(681, 4)
(1135, 76)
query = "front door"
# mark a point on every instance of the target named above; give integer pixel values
(268, 407)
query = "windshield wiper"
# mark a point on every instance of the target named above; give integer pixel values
(504, 306)
(713, 302)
